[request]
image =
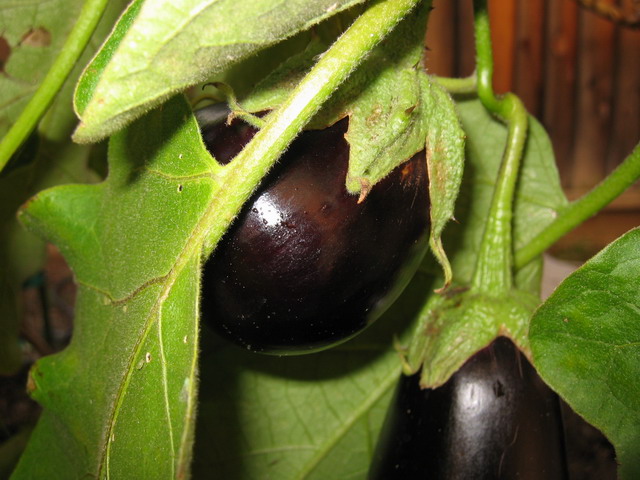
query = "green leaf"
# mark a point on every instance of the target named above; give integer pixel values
(274, 89)
(31, 35)
(314, 416)
(445, 161)
(119, 401)
(387, 104)
(458, 323)
(388, 99)
(171, 45)
(10, 451)
(586, 345)
(89, 80)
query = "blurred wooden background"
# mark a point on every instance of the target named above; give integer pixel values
(577, 72)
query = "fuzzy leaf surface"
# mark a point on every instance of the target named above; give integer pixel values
(445, 161)
(586, 345)
(170, 45)
(31, 36)
(119, 401)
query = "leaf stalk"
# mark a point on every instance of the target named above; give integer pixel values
(458, 86)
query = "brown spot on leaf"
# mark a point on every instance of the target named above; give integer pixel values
(374, 116)
(36, 37)
(432, 329)
(5, 52)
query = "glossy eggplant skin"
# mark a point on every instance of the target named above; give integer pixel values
(305, 266)
(494, 419)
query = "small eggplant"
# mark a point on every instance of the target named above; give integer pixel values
(494, 419)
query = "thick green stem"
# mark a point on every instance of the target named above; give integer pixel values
(493, 273)
(627, 173)
(243, 174)
(72, 49)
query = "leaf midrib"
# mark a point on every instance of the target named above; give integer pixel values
(388, 382)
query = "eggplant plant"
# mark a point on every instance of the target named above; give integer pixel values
(103, 156)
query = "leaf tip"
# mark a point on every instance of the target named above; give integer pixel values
(438, 250)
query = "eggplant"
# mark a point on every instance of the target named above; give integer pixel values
(494, 419)
(306, 266)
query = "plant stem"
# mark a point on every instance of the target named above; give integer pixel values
(459, 86)
(243, 174)
(493, 273)
(71, 50)
(625, 175)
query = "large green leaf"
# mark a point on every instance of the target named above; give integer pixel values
(586, 344)
(313, 417)
(119, 401)
(169, 45)
(34, 34)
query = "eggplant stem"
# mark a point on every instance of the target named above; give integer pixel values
(493, 274)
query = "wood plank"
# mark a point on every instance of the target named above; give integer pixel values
(528, 62)
(595, 92)
(594, 234)
(559, 95)
(502, 15)
(466, 50)
(626, 97)
(441, 39)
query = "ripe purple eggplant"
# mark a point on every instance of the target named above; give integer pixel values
(494, 419)
(305, 266)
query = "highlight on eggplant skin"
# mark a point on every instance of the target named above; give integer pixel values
(494, 419)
